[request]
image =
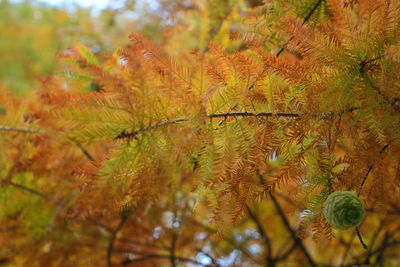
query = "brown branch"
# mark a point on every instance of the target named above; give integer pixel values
(304, 21)
(373, 240)
(297, 240)
(216, 30)
(173, 246)
(379, 91)
(264, 236)
(347, 250)
(370, 167)
(112, 239)
(366, 77)
(21, 130)
(287, 253)
(385, 246)
(252, 114)
(142, 244)
(213, 260)
(32, 191)
(99, 224)
(60, 207)
(360, 238)
(161, 256)
(85, 152)
(133, 134)
(124, 135)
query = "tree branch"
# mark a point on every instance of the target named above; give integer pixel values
(287, 253)
(297, 240)
(374, 86)
(370, 167)
(264, 236)
(133, 134)
(216, 30)
(60, 207)
(32, 191)
(360, 238)
(213, 260)
(85, 152)
(173, 246)
(161, 256)
(304, 21)
(252, 114)
(112, 239)
(124, 134)
(347, 250)
(21, 130)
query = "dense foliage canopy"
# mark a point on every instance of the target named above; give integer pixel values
(215, 143)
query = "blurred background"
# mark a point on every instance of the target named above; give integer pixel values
(32, 31)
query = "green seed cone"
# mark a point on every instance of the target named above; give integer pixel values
(343, 210)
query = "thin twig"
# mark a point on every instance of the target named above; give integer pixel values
(360, 238)
(373, 240)
(385, 246)
(173, 246)
(287, 253)
(366, 77)
(213, 260)
(32, 191)
(124, 135)
(133, 134)
(263, 234)
(304, 21)
(297, 240)
(216, 30)
(21, 130)
(85, 152)
(60, 207)
(160, 256)
(112, 239)
(252, 114)
(347, 250)
(370, 167)
(99, 224)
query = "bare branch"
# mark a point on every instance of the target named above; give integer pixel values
(304, 21)
(297, 240)
(367, 78)
(360, 238)
(60, 207)
(85, 152)
(173, 246)
(125, 135)
(32, 191)
(263, 234)
(160, 256)
(21, 130)
(112, 239)
(216, 30)
(370, 167)
(213, 260)
(252, 114)
(287, 253)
